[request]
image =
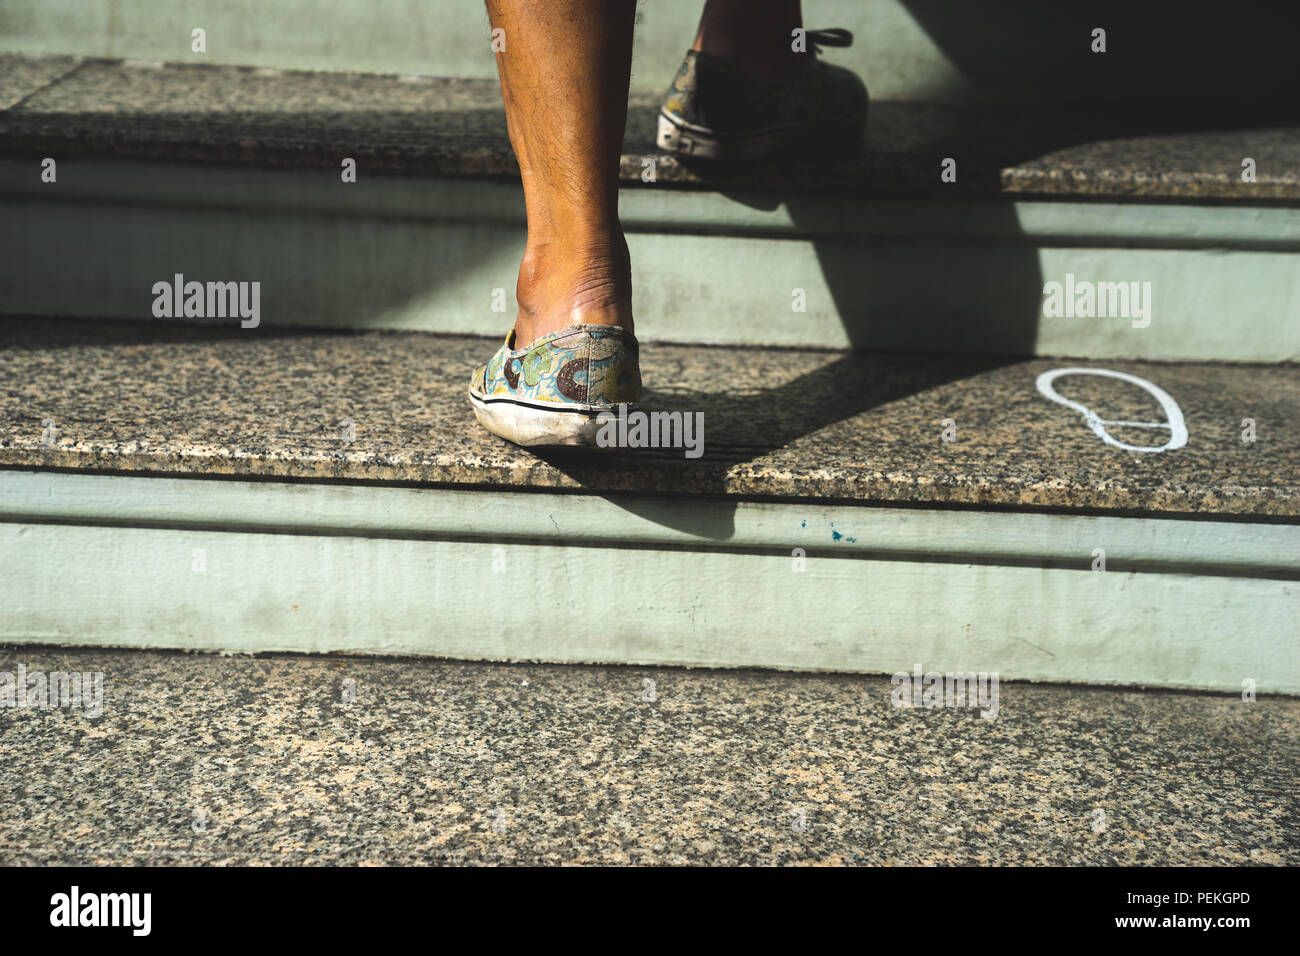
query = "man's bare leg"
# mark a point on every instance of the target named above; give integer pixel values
(564, 79)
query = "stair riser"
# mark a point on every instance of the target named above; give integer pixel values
(111, 560)
(924, 274)
(910, 50)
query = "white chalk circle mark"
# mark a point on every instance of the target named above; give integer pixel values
(1176, 424)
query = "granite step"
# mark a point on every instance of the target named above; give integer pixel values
(361, 509)
(805, 424)
(1166, 149)
(234, 173)
(207, 760)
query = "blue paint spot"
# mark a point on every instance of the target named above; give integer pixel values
(803, 524)
(836, 536)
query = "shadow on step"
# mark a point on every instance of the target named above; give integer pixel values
(962, 274)
(1167, 48)
(747, 422)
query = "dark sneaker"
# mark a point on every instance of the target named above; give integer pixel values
(715, 112)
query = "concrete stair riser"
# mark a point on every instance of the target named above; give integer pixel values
(389, 252)
(914, 49)
(239, 567)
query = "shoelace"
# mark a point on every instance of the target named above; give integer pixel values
(836, 36)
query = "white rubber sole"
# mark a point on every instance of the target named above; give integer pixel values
(533, 425)
(684, 139)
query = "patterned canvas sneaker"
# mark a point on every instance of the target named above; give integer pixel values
(715, 112)
(551, 392)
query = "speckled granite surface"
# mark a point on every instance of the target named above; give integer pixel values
(785, 422)
(432, 126)
(210, 760)
(21, 76)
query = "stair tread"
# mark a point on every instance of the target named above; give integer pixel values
(432, 126)
(783, 423)
(21, 76)
(709, 768)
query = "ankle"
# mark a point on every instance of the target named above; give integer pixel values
(586, 282)
(755, 39)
